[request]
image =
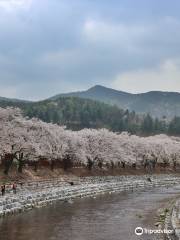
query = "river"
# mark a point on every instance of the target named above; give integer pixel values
(106, 217)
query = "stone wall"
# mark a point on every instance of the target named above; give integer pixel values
(175, 221)
(37, 194)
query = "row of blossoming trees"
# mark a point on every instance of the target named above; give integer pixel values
(30, 141)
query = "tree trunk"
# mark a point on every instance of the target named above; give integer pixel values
(20, 167)
(8, 160)
(20, 163)
(52, 165)
(35, 166)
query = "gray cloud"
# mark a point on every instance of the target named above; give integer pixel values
(59, 46)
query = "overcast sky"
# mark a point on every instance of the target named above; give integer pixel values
(54, 46)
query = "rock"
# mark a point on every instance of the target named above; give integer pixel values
(157, 224)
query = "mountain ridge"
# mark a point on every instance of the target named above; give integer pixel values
(161, 104)
(157, 103)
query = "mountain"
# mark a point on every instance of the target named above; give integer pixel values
(156, 103)
(13, 100)
(100, 93)
(76, 112)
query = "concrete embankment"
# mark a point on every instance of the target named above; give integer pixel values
(37, 194)
(174, 221)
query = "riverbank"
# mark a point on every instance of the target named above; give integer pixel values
(40, 193)
(173, 220)
(45, 173)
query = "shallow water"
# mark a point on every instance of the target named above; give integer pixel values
(106, 217)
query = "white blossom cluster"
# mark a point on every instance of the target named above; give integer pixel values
(39, 139)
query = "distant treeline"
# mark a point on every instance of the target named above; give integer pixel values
(77, 113)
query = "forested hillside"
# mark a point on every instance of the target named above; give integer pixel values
(77, 113)
(156, 103)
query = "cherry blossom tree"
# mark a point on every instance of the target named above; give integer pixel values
(24, 140)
